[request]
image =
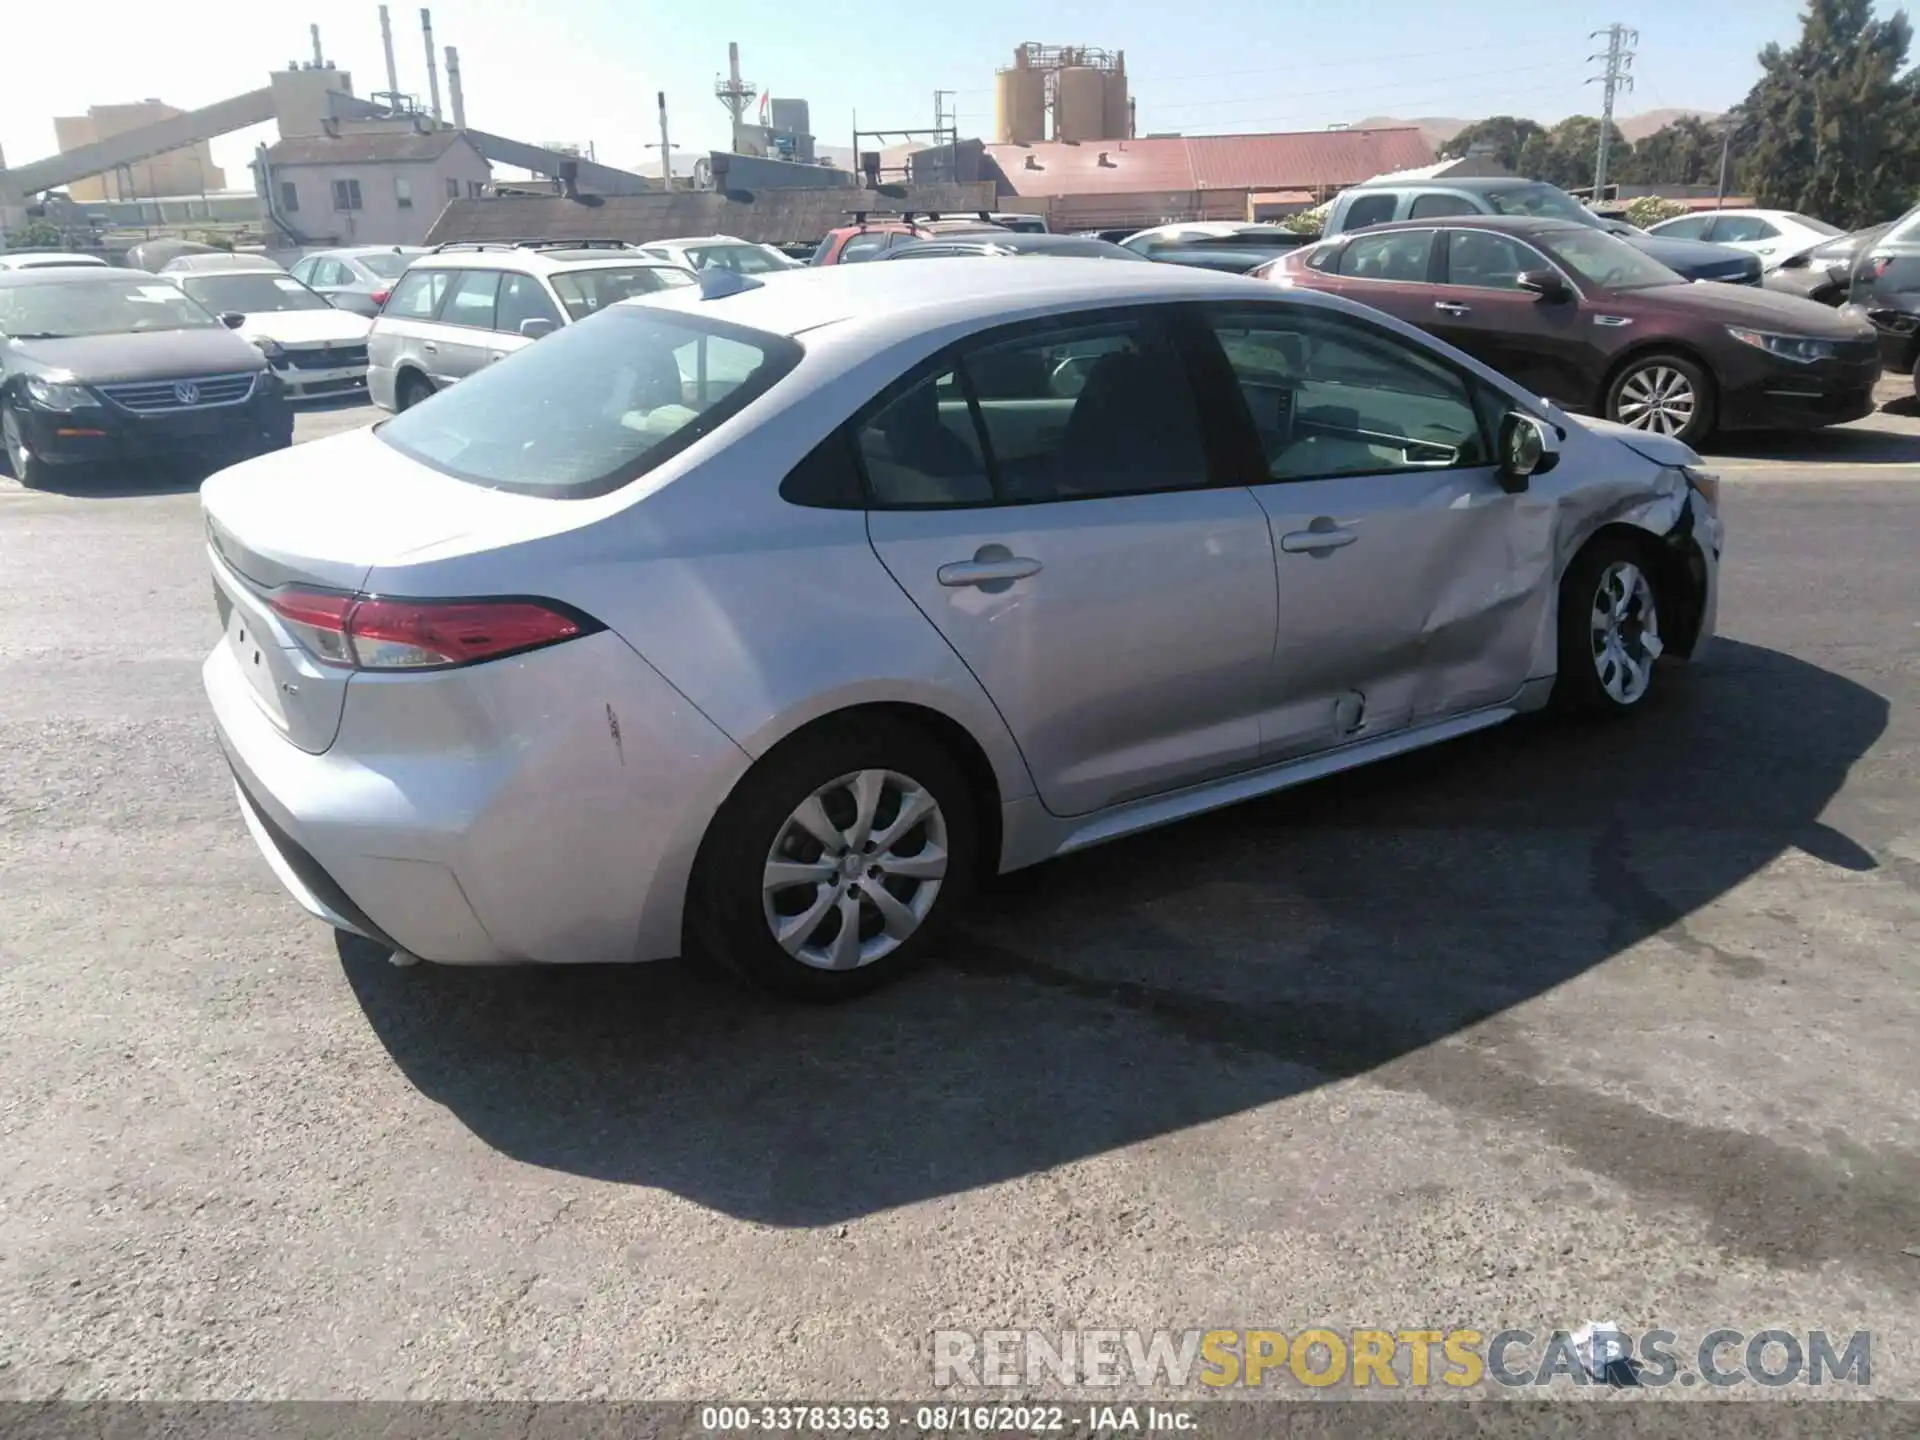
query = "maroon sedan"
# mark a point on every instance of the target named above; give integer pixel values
(1585, 319)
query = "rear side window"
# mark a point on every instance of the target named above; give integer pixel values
(594, 405)
(862, 247)
(1687, 227)
(1425, 207)
(418, 295)
(1399, 255)
(1370, 210)
(585, 291)
(1734, 229)
(472, 298)
(521, 300)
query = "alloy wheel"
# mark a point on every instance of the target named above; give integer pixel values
(1658, 398)
(17, 455)
(1626, 632)
(855, 869)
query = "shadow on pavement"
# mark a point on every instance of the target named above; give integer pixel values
(1158, 983)
(1842, 445)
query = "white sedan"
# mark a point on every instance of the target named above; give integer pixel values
(1774, 235)
(314, 349)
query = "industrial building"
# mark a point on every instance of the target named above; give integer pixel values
(188, 170)
(367, 186)
(1072, 93)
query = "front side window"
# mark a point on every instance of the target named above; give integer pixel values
(418, 294)
(1399, 256)
(592, 407)
(472, 298)
(98, 307)
(862, 247)
(521, 300)
(346, 194)
(251, 294)
(1067, 413)
(1488, 261)
(1330, 396)
(585, 291)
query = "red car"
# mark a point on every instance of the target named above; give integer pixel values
(871, 238)
(1600, 327)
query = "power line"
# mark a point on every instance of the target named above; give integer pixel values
(1617, 77)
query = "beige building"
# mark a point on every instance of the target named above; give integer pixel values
(373, 184)
(187, 171)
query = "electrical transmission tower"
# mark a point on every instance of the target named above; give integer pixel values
(1617, 77)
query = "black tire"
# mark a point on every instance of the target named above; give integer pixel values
(727, 917)
(412, 389)
(1916, 374)
(29, 469)
(1646, 371)
(1582, 684)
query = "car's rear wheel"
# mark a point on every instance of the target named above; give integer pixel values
(1609, 627)
(1663, 394)
(1916, 374)
(412, 389)
(836, 862)
(28, 468)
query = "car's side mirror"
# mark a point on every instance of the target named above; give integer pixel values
(538, 326)
(1547, 284)
(233, 319)
(1526, 450)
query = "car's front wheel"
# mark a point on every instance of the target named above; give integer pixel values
(28, 468)
(837, 861)
(1609, 628)
(1663, 394)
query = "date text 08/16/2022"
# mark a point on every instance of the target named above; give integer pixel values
(944, 1419)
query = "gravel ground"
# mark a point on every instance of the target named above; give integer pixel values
(1548, 1026)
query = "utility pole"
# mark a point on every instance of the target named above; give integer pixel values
(1619, 59)
(947, 119)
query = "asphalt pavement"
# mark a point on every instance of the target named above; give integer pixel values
(1553, 1025)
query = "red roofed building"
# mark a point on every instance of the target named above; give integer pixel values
(1111, 184)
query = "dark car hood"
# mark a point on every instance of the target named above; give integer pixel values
(1697, 259)
(151, 355)
(1751, 307)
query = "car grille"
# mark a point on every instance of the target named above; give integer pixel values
(199, 392)
(328, 357)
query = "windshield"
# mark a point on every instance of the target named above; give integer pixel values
(1542, 200)
(98, 307)
(593, 405)
(387, 267)
(585, 291)
(745, 259)
(1607, 261)
(251, 294)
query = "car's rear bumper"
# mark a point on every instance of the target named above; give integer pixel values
(544, 808)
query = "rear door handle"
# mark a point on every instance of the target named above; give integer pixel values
(1308, 542)
(999, 571)
(1451, 307)
(430, 347)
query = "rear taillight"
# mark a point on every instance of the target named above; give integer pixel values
(379, 297)
(373, 632)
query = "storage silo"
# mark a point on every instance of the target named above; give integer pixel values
(1115, 109)
(1020, 105)
(1080, 104)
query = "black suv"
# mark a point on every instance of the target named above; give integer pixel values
(99, 364)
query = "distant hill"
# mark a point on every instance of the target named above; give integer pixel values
(1439, 129)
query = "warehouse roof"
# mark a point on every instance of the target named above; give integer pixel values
(1296, 160)
(775, 216)
(364, 148)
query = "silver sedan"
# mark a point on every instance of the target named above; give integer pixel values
(758, 619)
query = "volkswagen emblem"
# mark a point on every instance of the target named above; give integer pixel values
(186, 392)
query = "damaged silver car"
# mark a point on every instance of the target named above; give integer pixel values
(760, 619)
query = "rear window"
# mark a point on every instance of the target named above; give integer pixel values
(585, 291)
(594, 405)
(387, 267)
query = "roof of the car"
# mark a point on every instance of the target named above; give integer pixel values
(354, 252)
(1035, 242)
(1472, 184)
(703, 240)
(961, 291)
(508, 257)
(74, 275)
(1520, 224)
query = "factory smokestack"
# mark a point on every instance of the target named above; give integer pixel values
(433, 68)
(319, 60)
(393, 71)
(666, 147)
(454, 97)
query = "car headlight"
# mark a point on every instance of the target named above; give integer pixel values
(272, 349)
(1788, 347)
(53, 395)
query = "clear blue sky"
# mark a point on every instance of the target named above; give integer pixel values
(587, 70)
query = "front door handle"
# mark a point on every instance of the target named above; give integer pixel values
(430, 347)
(1451, 307)
(993, 568)
(1313, 542)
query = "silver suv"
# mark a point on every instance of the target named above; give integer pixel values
(467, 304)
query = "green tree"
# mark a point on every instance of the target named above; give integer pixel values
(1505, 134)
(1833, 127)
(1565, 154)
(37, 235)
(1687, 152)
